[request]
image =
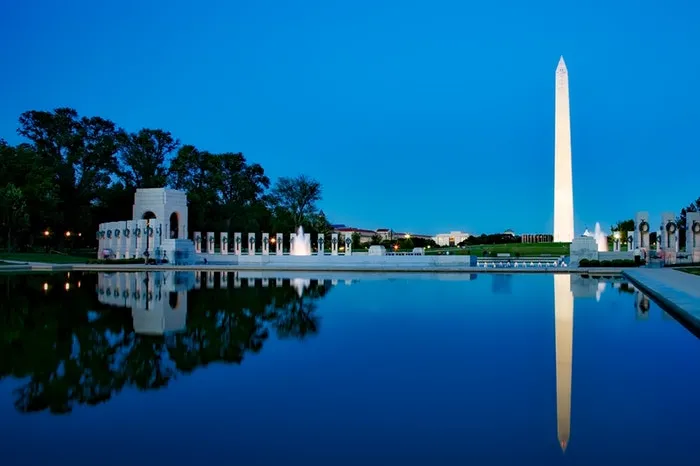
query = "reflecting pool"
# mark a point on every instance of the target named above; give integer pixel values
(188, 368)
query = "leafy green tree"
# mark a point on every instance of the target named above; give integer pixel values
(296, 198)
(142, 157)
(240, 188)
(81, 152)
(22, 167)
(13, 215)
(197, 173)
(356, 240)
(682, 219)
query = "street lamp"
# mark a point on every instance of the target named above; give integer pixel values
(68, 234)
(47, 232)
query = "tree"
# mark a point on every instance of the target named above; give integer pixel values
(623, 226)
(22, 167)
(197, 173)
(13, 214)
(296, 198)
(240, 188)
(356, 240)
(80, 152)
(142, 157)
(681, 220)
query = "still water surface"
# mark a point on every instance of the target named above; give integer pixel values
(178, 368)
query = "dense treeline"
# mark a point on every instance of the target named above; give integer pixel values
(74, 172)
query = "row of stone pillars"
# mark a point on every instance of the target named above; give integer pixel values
(207, 243)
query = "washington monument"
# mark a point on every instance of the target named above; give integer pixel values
(563, 184)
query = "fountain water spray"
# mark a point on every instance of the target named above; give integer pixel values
(600, 238)
(299, 246)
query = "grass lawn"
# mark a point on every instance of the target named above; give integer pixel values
(524, 249)
(693, 271)
(42, 257)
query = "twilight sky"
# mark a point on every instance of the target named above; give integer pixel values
(419, 116)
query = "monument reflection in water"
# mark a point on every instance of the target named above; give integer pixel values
(158, 300)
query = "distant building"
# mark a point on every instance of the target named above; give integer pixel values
(451, 239)
(387, 234)
(365, 235)
(509, 232)
(537, 238)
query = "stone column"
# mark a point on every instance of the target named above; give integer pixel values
(265, 282)
(131, 239)
(348, 245)
(279, 282)
(334, 244)
(292, 238)
(98, 235)
(251, 283)
(251, 244)
(211, 240)
(320, 241)
(197, 280)
(237, 243)
(692, 237)
(108, 236)
(629, 239)
(223, 280)
(266, 244)
(280, 244)
(210, 279)
(224, 244)
(642, 231)
(198, 242)
(141, 235)
(236, 280)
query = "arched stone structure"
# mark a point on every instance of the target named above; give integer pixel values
(150, 229)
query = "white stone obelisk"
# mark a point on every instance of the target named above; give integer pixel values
(563, 177)
(564, 338)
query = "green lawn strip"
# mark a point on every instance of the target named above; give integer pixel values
(523, 249)
(42, 257)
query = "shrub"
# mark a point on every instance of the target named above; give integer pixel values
(594, 263)
(584, 263)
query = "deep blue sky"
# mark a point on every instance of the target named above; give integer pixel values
(418, 116)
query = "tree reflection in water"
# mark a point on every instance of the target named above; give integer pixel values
(74, 350)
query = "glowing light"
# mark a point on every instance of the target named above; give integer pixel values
(67, 233)
(47, 233)
(617, 235)
(78, 284)
(67, 286)
(273, 240)
(46, 287)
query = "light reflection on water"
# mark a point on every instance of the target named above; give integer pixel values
(412, 369)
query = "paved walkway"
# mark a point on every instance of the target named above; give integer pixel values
(679, 291)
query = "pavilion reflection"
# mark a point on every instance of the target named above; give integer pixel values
(158, 300)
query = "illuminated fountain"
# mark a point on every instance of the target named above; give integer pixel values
(299, 246)
(600, 238)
